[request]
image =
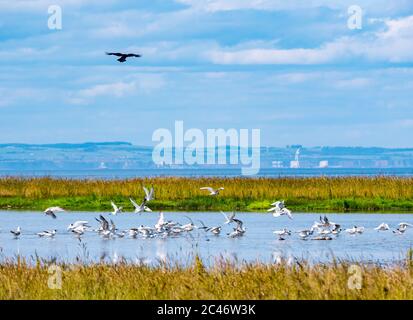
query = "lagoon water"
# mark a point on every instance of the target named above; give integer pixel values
(258, 243)
(207, 172)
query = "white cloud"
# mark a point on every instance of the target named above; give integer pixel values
(395, 44)
(405, 123)
(384, 6)
(291, 78)
(271, 56)
(140, 84)
(117, 89)
(12, 96)
(398, 28)
(353, 83)
(226, 5)
(27, 53)
(42, 5)
(215, 75)
(114, 30)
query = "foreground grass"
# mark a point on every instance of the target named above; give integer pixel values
(250, 281)
(342, 194)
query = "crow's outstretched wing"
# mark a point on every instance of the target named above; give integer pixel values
(118, 54)
(133, 55)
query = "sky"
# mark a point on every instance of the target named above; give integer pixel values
(293, 69)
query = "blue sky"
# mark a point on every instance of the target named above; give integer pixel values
(290, 68)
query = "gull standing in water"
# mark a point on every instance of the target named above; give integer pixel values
(133, 232)
(16, 232)
(215, 230)
(399, 230)
(304, 234)
(404, 225)
(116, 209)
(146, 231)
(140, 208)
(336, 229)
(355, 230)
(212, 191)
(52, 211)
(382, 227)
(402, 228)
(46, 233)
(282, 233)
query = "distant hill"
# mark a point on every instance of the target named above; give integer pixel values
(67, 145)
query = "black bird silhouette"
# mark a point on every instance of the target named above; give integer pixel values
(123, 56)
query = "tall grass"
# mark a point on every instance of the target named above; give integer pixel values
(224, 281)
(341, 193)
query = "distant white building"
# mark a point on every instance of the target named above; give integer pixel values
(381, 163)
(296, 162)
(102, 165)
(277, 164)
(323, 164)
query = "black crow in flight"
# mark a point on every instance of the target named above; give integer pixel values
(123, 56)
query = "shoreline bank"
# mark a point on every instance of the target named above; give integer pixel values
(322, 194)
(93, 204)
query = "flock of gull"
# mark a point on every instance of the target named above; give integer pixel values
(324, 229)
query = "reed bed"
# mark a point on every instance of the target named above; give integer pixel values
(250, 194)
(223, 281)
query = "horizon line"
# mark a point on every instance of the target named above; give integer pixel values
(116, 142)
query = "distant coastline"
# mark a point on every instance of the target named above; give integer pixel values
(23, 159)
